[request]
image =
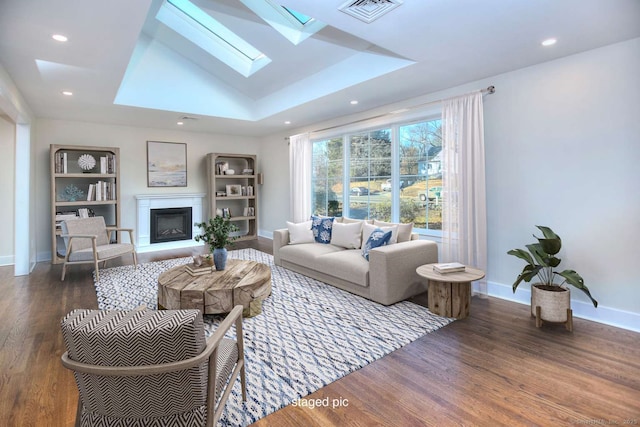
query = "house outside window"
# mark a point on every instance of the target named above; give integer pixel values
(391, 174)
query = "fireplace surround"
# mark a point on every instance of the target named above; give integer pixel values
(148, 202)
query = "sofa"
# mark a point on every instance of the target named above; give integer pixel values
(388, 276)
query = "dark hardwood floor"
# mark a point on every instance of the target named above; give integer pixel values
(493, 368)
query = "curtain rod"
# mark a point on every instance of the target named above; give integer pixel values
(489, 90)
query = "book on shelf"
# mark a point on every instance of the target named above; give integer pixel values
(199, 270)
(448, 267)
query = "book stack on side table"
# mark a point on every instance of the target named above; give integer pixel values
(449, 267)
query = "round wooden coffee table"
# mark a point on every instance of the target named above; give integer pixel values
(244, 283)
(449, 294)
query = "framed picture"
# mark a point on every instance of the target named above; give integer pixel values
(234, 190)
(166, 164)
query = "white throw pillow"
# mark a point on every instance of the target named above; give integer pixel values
(300, 232)
(347, 235)
(404, 230)
(368, 229)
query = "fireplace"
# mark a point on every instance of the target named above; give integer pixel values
(170, 225)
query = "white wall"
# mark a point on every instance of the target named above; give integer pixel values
(132, 142)
(7, 189)
(562, 149)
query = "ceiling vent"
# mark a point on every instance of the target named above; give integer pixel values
(188, 118)
(369, 10)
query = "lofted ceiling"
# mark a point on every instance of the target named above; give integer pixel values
(124, 66)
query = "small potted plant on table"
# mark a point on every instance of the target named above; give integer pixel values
(550, 301)
(217, 234)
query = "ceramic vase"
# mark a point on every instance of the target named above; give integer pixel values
(220, 258)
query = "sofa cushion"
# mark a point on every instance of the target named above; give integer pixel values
(305, 254)
(347, 236)
(404, 230)
(367, 229)
(321, 227)
(300, 232)
(377, 238)
(347, 265)
(347, 220)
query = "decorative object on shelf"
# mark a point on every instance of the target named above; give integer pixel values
(234, 190)
(550, 301)
(230, 172)
(217, 234)
(166, 164)
(73, 193)
(221, 167)
(247, 171)
(86, 162)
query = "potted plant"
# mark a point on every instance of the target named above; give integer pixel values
(217, 234)
(550, 301)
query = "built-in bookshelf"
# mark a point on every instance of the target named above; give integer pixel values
(232, 180)
(85, 181)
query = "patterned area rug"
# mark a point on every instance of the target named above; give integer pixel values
(308, 335)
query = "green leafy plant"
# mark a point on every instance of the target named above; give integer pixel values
(216, 232)
(541, 260)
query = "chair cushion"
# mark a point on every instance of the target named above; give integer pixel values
(104, 252)
(87, 226)
(133, 338)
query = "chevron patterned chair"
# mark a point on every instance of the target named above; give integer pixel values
(151, 368)
(88, 241)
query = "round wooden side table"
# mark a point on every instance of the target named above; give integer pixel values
(449, 294)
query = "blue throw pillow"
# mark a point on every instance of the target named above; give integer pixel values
(377, 238)
(321, 227)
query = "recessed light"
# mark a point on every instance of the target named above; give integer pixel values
(180, 123)
(549, 42)
(67, 93)
(59, 37)
(354, 102)
(287, 122)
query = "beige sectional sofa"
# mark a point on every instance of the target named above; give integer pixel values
(388, 277)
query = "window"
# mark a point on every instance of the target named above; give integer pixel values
(420, 146)
(200, 28)
(293, 25)
(390, 174)
(369, 167)
(327, 177)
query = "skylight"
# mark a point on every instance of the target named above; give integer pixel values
(202, 29)
(301, 17)
(293, 25)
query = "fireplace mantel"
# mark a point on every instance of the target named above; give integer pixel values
(146, 202)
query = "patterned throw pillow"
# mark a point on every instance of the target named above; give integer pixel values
(377, 238)
(321, 227)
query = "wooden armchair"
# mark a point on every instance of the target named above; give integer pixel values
(144, 367)
(88, 240)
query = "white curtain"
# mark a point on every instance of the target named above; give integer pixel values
(464, 213)
(300, 152)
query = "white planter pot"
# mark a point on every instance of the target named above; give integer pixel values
(554, 305)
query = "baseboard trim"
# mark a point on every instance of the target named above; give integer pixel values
(7, 260)
(607, 315)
